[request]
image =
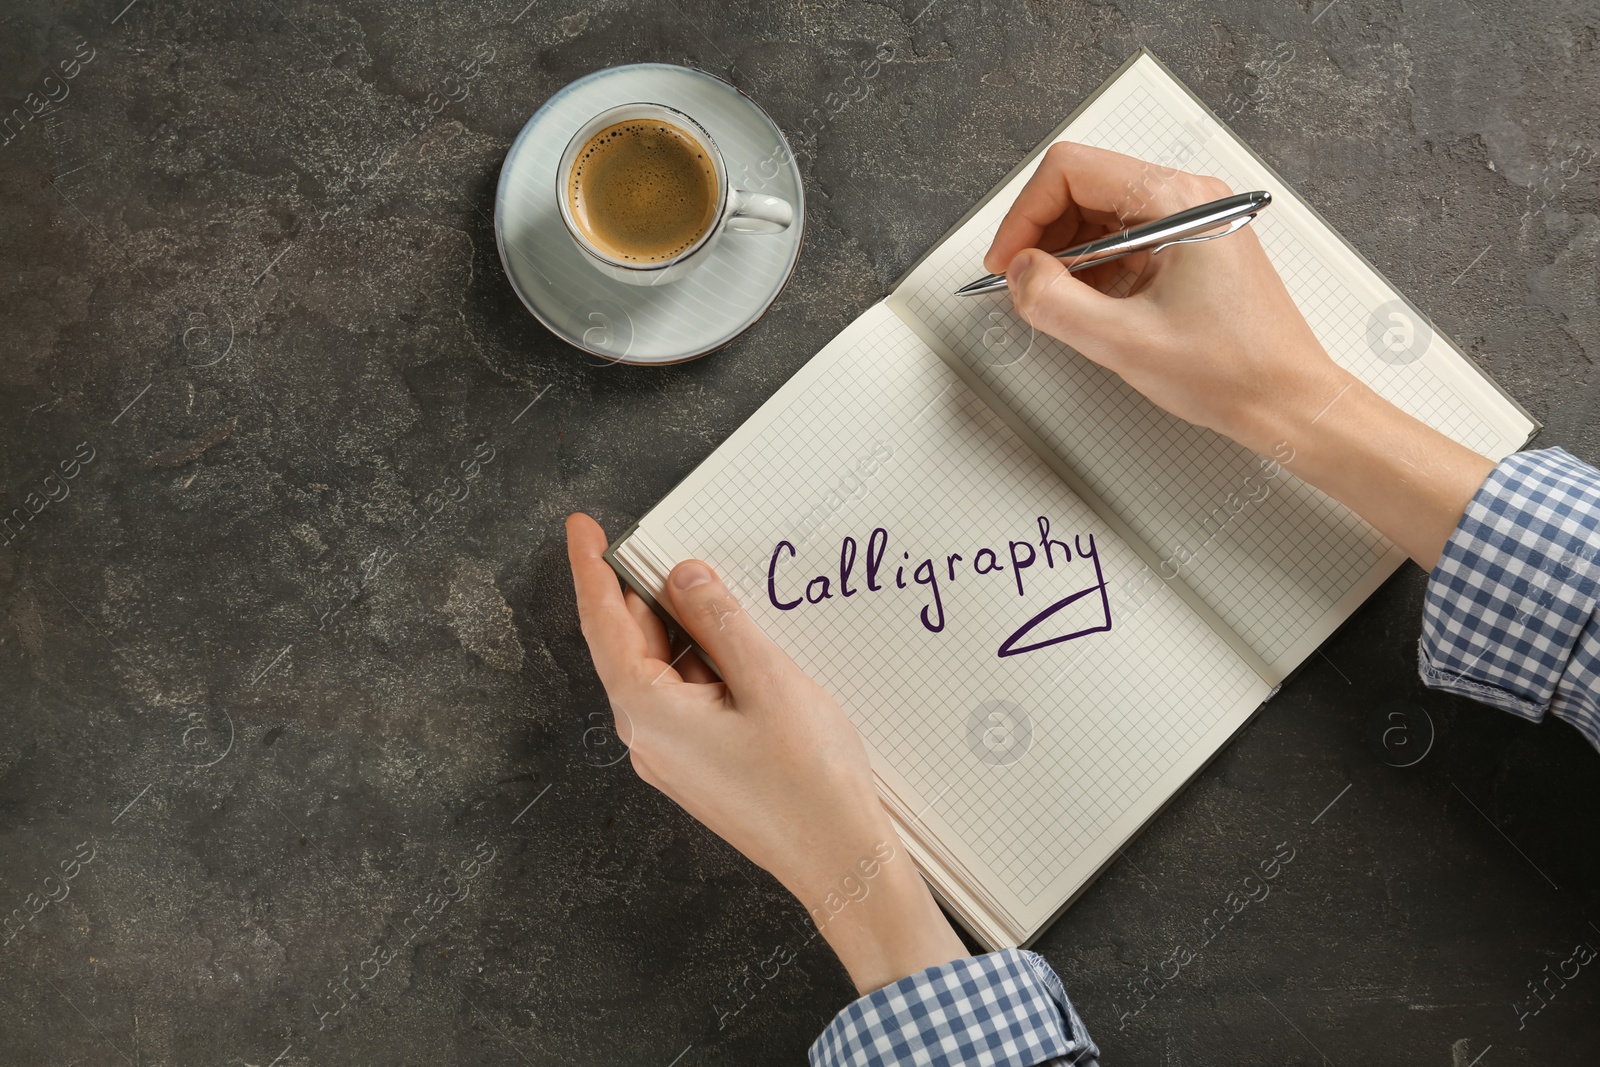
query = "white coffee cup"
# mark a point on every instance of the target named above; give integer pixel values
(737, 211)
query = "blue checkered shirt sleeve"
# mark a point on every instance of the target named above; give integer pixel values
(1509, 617)
(1006, 1009)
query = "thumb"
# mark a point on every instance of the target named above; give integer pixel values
(712, 616)
(1051, 300)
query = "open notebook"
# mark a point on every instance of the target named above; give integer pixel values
(1045, 603)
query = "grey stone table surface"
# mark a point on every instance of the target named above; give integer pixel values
(303, 760)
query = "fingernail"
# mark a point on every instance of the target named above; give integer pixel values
(688, 575)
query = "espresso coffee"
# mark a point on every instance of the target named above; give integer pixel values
(642, 190)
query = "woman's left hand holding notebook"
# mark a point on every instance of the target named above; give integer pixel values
(765, 758)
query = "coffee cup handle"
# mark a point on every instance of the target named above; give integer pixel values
(757, 213)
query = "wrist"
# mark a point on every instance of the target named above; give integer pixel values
(881, 920)
(1399, 474)
(1290, 412)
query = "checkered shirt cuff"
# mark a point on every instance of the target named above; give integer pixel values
(1006, 1009)
(1509, 614)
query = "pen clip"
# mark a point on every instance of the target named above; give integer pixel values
(1238, 223)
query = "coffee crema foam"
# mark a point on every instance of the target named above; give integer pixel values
(642, 190)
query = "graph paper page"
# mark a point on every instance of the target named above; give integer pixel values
(1029, 769)
(1286, 567)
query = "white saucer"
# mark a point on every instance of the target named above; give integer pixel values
(721, 299)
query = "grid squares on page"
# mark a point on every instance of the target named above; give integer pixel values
(1269, 567)
(952, 476)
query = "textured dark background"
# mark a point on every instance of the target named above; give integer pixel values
(248, 266)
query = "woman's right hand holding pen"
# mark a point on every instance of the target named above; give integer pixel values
(1209, 332)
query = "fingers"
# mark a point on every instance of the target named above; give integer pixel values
(1074, 182)
(712, 616)
(686, 665)
(616, 642)
(1046, 202)
(1052, 300)
(650, 625)
(689, 665)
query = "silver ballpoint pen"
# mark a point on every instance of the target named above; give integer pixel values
(1195, 224)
